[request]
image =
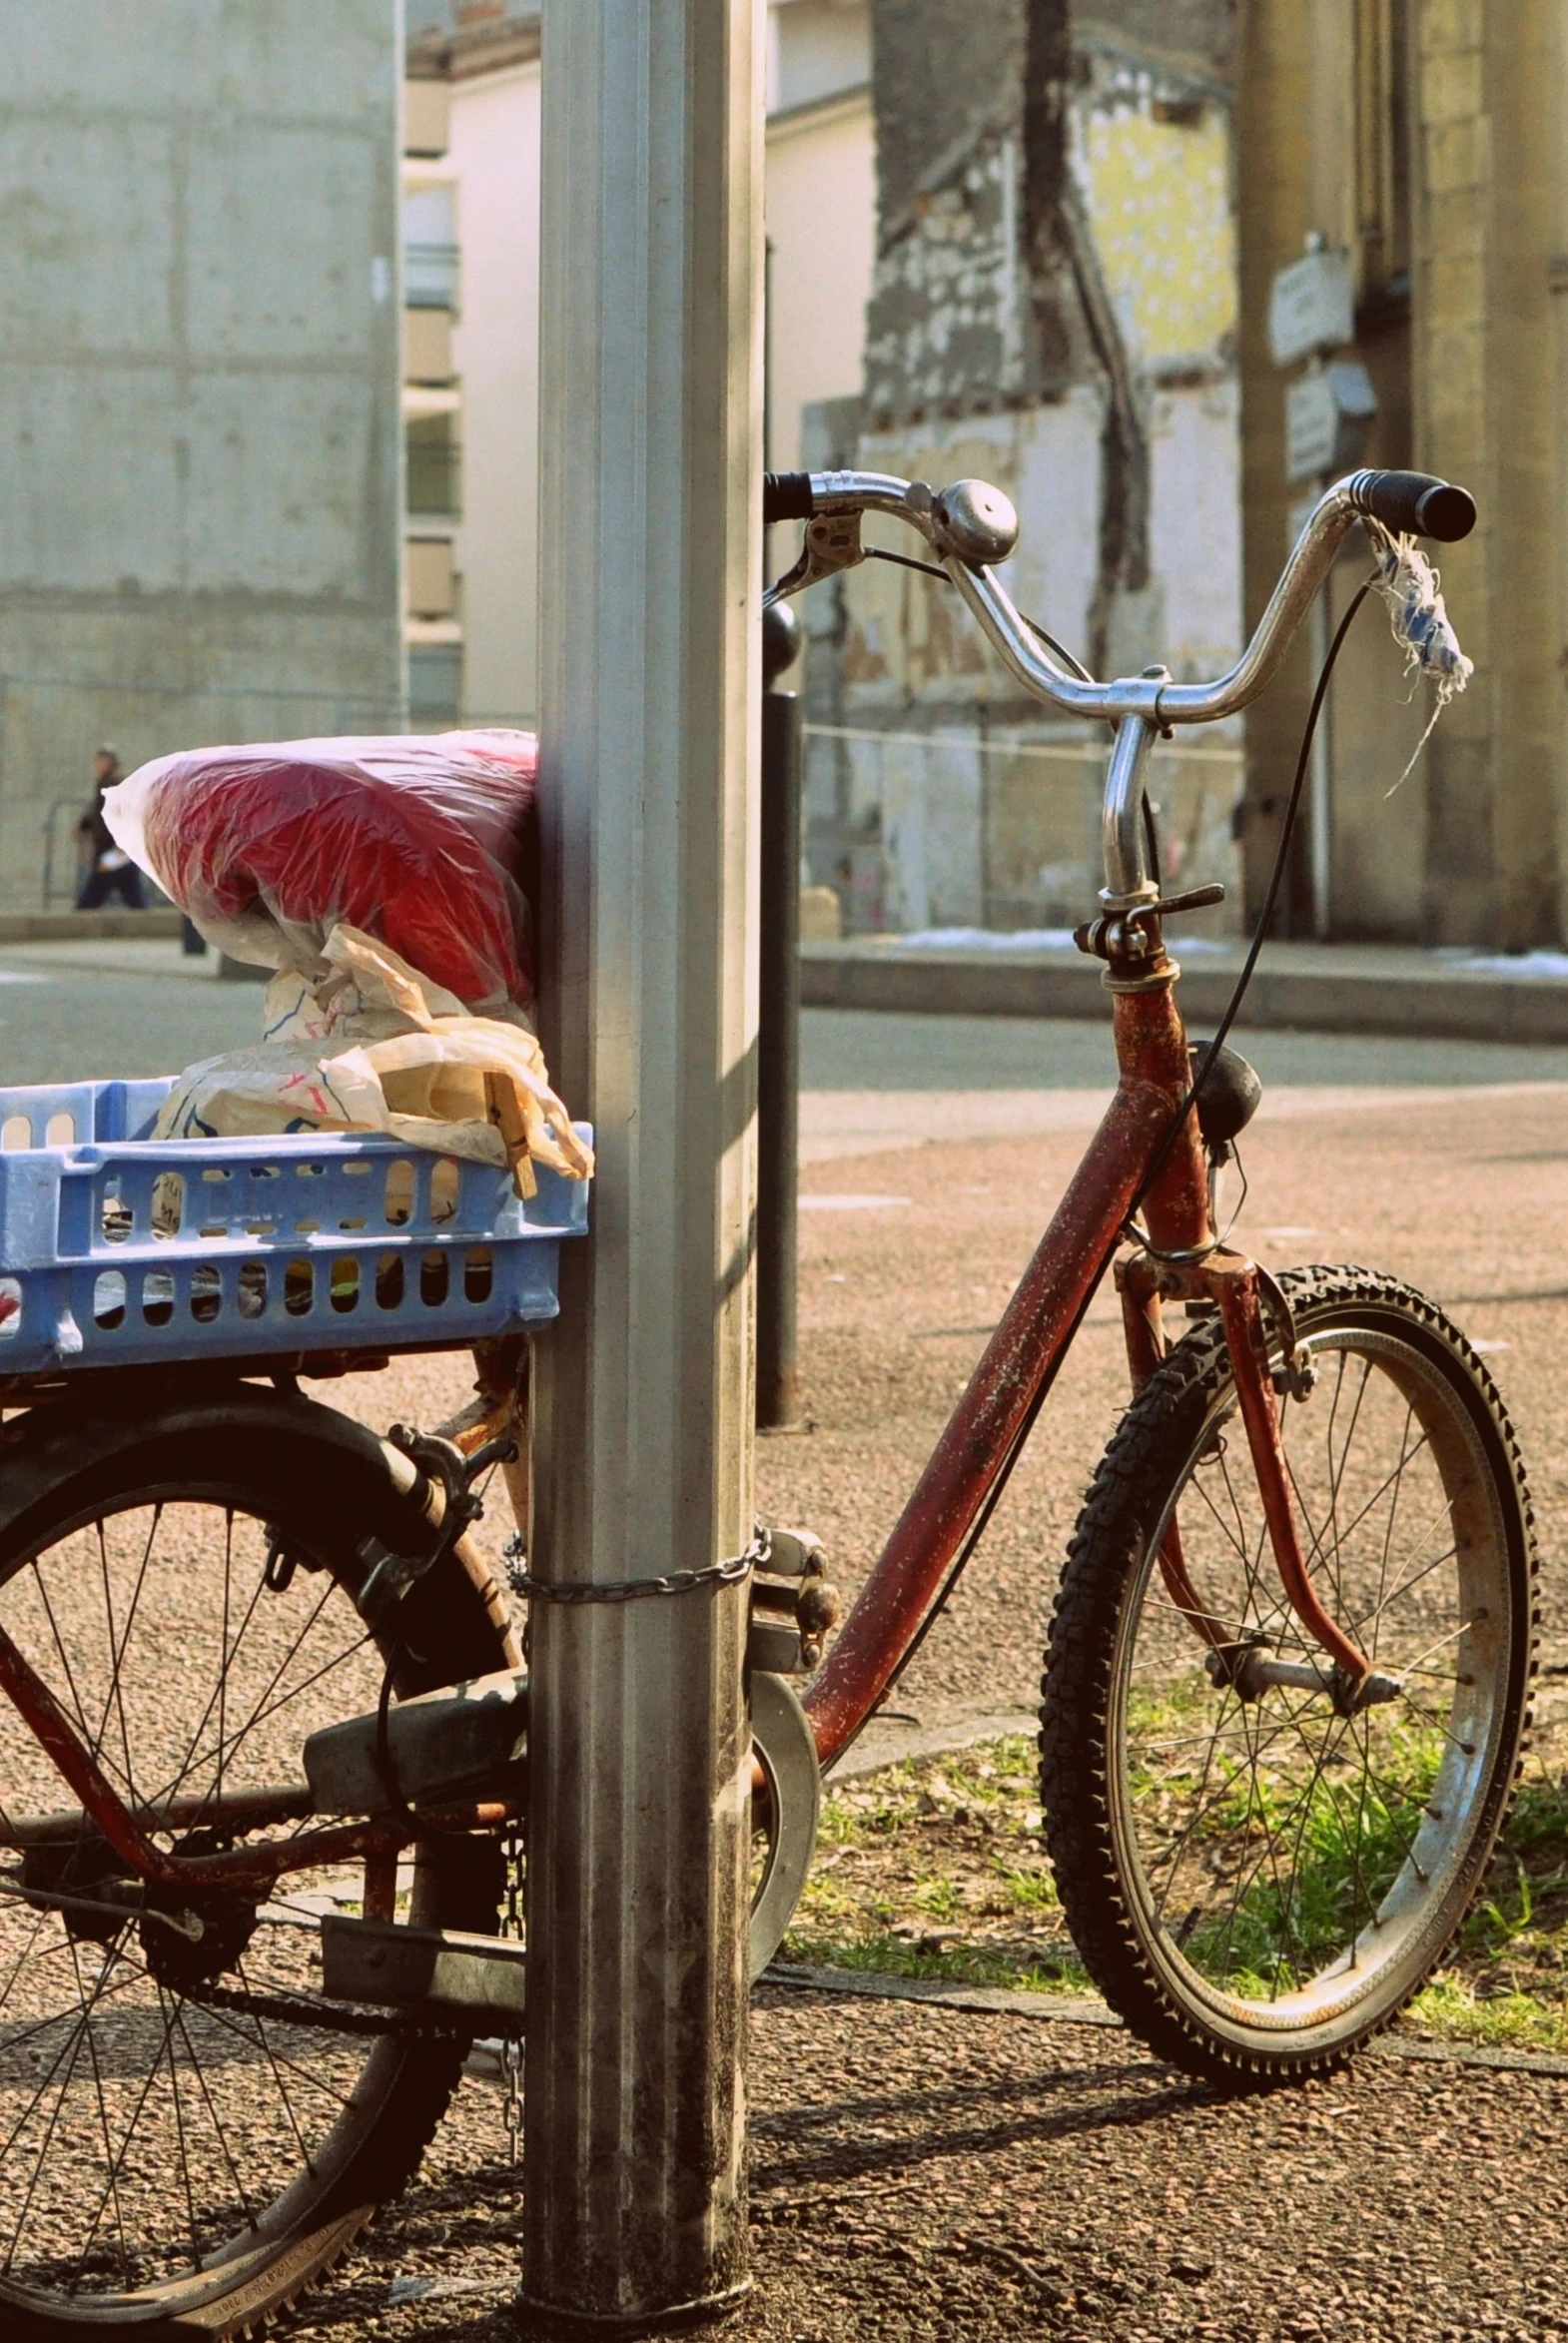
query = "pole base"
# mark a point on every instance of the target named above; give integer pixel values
(548, 2320)
(787, 1428)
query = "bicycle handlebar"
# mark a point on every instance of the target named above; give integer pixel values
(787, 495)
(1412, 503)
(971, 526)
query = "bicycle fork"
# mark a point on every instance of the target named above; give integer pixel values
(1238, 1288)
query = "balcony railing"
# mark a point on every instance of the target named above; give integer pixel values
(429, 276)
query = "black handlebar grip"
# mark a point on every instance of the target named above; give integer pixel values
(786, 496)
(1414, 503)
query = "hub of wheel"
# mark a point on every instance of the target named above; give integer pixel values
(192, 1936)
(1249, 1670)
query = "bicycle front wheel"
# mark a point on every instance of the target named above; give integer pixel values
(1256, 1880)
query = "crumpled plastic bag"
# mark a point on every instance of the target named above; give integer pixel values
(375, 1045)
(418, 842)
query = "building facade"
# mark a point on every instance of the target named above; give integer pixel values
(198, 439)
(470, 367)
(1427, 140)
(1054, 309)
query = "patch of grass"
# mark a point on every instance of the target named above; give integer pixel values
(956, 1964)
(936, 1868)
(1453, 2011)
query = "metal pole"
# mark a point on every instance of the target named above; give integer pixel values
(778, 1031)
(638, 1832)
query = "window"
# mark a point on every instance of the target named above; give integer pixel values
(430, 443)
(435, 683)
(432, 579)
(426, 117)
(429, 247)
(426, 345)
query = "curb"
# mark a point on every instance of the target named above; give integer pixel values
(85, 927)
(1061, 2010)
(1404, 993)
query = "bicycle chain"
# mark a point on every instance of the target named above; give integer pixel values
(295, 2009)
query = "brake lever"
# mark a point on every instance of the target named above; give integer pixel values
(832, 542)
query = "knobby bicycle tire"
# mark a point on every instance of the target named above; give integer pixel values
(1259, 1884)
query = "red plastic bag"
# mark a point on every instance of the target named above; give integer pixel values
(418, 842)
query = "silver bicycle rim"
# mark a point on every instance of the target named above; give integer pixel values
(1292, 1869)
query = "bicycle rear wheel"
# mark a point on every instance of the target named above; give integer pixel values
(189, 2134)
(1258, 1881)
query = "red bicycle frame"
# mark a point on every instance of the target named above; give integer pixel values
(976, 1452)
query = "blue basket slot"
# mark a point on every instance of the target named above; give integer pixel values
(116, 1251)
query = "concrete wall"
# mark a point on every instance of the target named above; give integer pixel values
(199, 429)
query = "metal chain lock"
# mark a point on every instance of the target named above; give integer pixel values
(632, 1590)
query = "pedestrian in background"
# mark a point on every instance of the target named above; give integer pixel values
(106, 868)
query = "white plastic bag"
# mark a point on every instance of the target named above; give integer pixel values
(375, 1045)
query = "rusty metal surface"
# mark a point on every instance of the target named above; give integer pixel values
(1151, 1046)
(1138, 1281)
(1233, 1282)
(980, 1440)
(980, 1436)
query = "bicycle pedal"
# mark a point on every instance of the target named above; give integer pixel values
(442, 1971)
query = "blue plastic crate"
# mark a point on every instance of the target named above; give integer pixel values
(114, 1253)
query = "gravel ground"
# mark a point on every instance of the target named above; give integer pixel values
(929, 2172)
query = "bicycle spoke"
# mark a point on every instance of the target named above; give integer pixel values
(283, 2092)
(103, 2119)
(216, 2121)
(119, 2163)
(1389, 1533)
(185, 2158)
(154, 2143)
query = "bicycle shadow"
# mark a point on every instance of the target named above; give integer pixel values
(1102, 2098)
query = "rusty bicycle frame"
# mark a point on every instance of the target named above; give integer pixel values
(1147, 1156)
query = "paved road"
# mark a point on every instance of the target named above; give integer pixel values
(862, 1050)
(82, 1012)
(91, 1012)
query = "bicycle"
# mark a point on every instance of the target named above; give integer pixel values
(1286, 1684)
(263, 1739)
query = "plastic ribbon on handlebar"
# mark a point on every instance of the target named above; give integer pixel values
(1418, 619)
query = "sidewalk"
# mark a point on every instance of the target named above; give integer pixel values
(938, 2169)
(1324, 988)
